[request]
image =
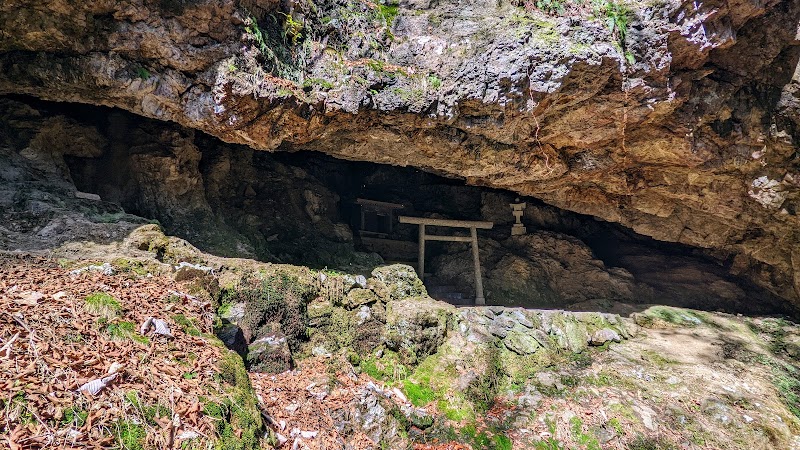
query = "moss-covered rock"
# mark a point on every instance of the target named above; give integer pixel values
(401, 281)
(239, 425)
(416, 327)
(269, 353)
(357, 297)
(368, 336)
(171, 250)
(318, 309)
(279, 298)
(521, 343)
(568, 332)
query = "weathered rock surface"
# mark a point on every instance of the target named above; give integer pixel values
(541, 269)
(269, 353)
(400, 281)
(535, 329)
(689, 138)
(417, 326)
(600, 337)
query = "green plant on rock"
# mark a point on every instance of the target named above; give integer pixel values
(388, 12)
(322, 83)
(617, 16)
(434, 81)
(293, 29)
(254, 31)
(142, 73)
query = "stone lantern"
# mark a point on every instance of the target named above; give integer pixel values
(518, 209)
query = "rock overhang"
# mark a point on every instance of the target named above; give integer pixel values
(552, 110)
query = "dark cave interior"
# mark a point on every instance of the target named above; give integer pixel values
(304, 208)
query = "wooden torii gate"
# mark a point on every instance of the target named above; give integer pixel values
(473, 238)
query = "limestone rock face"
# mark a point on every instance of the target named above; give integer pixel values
(687, 135)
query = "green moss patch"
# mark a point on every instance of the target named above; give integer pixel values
(386, 368)
(187, 325)
(125, 330)
(660, 316)
(239, 426)
(130, 436)
(130, 266)
(103, 304)
(419, 394)
(75, 416)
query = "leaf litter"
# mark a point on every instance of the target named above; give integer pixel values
(73, 379)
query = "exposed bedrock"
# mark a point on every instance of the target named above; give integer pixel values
(687, 132)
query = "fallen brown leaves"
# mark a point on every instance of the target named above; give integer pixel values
(50, 345)
(447, 446)
(304, 398)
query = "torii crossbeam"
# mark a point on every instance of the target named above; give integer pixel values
(473, 238)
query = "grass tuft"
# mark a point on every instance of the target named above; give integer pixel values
(103, 304)
(130, 436)
(125, 330)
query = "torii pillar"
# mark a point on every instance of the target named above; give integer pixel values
(473, 239)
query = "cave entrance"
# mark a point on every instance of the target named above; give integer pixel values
(305, 208)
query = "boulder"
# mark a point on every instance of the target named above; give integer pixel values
(417, 326)
(401, 281)
(269, 353)
(600, 337)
